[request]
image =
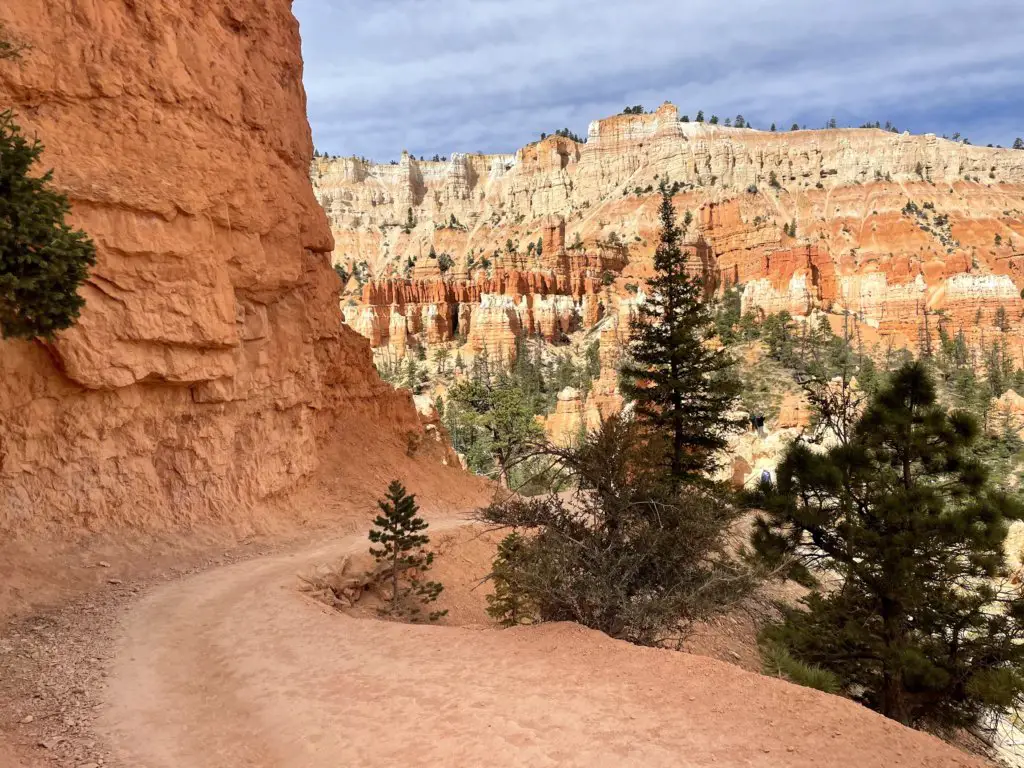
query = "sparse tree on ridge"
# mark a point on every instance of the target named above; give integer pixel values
(700, 116)
(628, 554)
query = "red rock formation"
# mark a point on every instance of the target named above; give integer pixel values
(803, 220)
(210, 360)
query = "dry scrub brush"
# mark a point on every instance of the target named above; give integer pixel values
(628, 551)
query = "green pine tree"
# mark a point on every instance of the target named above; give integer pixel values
(509, 605)
(398, 531)
(918, 621)
(413, 375)
(43, 260)
(441, 357)
(499, 412)
(681, 384)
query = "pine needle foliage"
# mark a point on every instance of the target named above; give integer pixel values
(917, 619)
(680, 381)
(509, 605)
(43, 260)
(398, 532)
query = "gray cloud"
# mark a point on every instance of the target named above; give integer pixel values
(488, 75)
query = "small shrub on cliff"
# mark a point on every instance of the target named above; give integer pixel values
(398, 531)
(9, 49)
(43, 260)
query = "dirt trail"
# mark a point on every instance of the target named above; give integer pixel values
(234, 667)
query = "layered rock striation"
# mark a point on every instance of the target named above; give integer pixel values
(210, 362)
(904, 234)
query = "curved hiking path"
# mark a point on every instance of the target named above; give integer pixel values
(235, 667)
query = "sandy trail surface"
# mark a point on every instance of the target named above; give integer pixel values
(235, 667)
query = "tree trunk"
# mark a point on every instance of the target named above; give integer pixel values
(394, 580)
(894, 700)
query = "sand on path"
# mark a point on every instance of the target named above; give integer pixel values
(235, 667)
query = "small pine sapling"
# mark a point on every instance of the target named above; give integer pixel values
(509, 605)
(398, 531)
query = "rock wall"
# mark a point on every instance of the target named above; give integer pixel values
(905, 233)
(210, 362)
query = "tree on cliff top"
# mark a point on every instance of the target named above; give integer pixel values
(680, 384)
(919, 620)
(43, 260)
(1018, 143)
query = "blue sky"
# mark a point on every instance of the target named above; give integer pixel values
(437, 76)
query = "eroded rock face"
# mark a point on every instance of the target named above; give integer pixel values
(903, 234)
(210, 360)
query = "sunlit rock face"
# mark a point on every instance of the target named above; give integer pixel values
(904, 235)
(210, 360)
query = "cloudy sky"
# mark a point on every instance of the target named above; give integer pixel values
(437, 76)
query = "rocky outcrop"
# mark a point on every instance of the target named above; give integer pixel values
(902, 234)
(210, 362)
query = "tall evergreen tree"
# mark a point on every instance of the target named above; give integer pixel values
(919, 621)
(43, 260)
(681, 383)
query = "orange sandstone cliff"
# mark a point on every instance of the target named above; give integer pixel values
(904, 234)
(210, 365)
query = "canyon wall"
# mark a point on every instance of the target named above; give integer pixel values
(210, 363)
(903, 234)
